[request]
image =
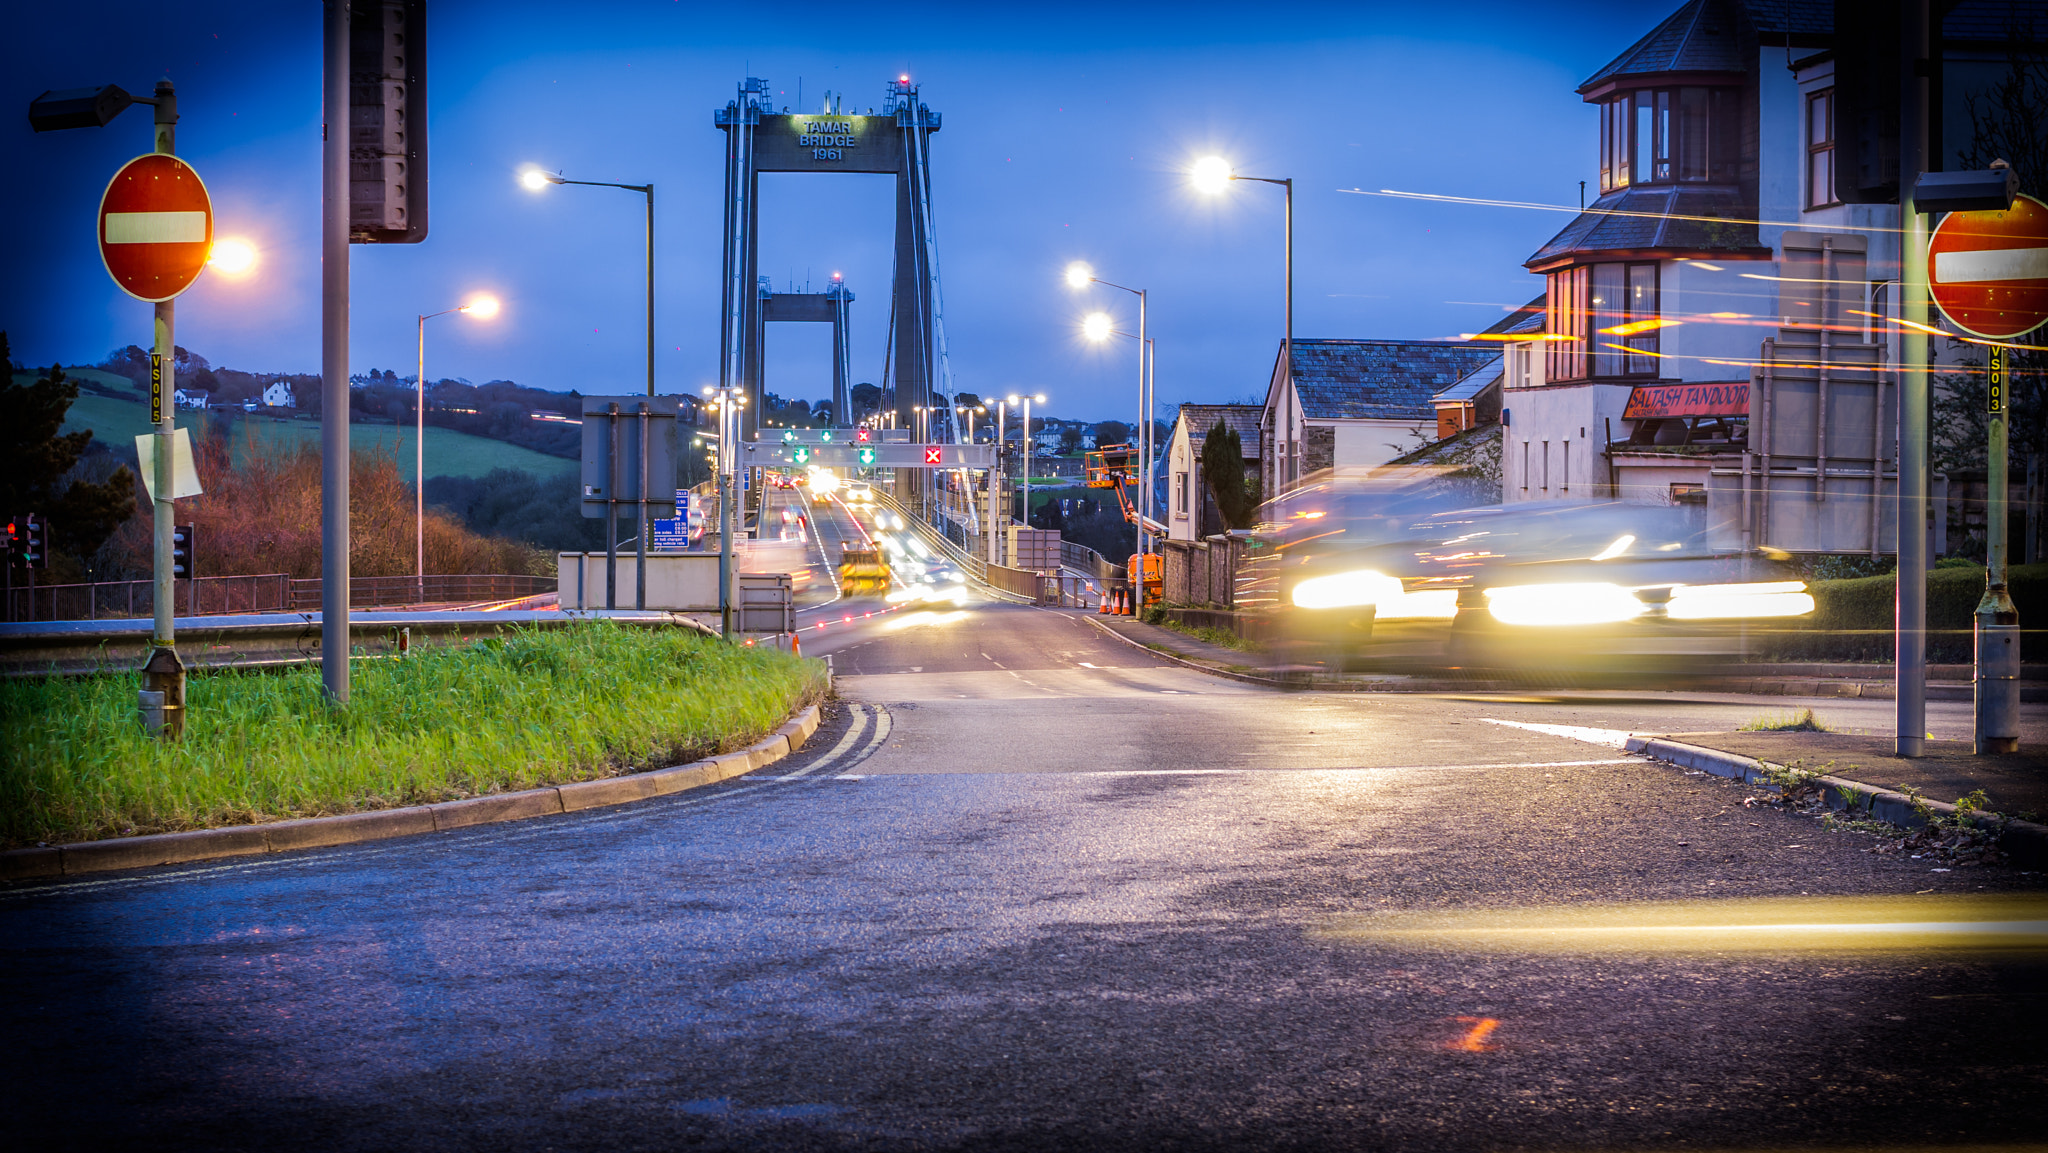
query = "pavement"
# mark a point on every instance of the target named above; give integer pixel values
(1031, 887)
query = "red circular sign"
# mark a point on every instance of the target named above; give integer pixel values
(156, 227)
(1989, 270)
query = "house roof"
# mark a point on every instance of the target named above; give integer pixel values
(1473, 383)
(1527, 318)
(1385, 379)
(1663, 220)
(1717, 36)
(1242, 419)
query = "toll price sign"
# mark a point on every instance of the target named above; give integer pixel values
(670, 534)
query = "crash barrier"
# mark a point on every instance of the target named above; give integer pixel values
(1087, 560)
(73, 647)
(1019, 581)
(258, 593)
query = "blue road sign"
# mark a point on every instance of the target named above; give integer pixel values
(670, 534)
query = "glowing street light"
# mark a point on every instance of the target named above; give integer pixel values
(1097, 326)
(232, 256)
(482, 308)
(1079, 274)
(1213, 174)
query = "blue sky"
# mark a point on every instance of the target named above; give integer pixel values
(1068, 128)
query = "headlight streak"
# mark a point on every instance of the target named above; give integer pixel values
(1384, 593)
(1739, 601)
(1589, 603)
(1620, 546)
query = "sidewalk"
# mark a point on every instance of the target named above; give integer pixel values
(2014, 783)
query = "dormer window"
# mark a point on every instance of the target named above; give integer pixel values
(1668, 136)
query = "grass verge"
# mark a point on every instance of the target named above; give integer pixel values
(535, 707)
(1802, 721)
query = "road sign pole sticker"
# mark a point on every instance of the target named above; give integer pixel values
(1988, 271)
(155, 227)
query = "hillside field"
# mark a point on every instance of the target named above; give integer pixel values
(119, 422)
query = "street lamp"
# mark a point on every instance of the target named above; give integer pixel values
(726, 402)
(1026, 446)
(232, 256)
(1213, 174)
(1097, 327)
(535, 180)
(482, 308)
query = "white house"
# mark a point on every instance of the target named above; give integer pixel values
(1354, 403)
(1190, 505)
(279, 395)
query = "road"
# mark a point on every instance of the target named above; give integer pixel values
(1032, 888)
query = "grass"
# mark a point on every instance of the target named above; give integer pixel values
(1802, 721)
(449, 453)
(535, 707)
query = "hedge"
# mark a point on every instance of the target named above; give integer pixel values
(1853, 619)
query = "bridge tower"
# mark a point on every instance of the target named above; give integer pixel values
(896, 141)
(833, 306)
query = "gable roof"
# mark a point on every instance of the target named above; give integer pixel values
(1242, 419)
(1384, 379)
(1656, 220)
(1474, 383)
(1717, 36)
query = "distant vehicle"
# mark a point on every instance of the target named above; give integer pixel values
(860, 492)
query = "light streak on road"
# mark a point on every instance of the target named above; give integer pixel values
(1771, 925)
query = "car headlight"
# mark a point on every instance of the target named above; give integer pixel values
(1595, 603)
(1739, 601)
(1346, 589)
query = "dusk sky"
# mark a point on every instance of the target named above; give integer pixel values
(1067, 133)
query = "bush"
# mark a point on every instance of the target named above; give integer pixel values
(1853, 620)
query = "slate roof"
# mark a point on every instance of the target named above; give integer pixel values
(1243, 419)
(1473, 384)
(1386, 379)
(1713, 35)
(1987, 21)
(1680, 218)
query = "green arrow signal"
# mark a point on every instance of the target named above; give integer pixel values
(789, 436)
(803, 456)
(826, 436)
(867, 456)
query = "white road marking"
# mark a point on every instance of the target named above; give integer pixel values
(1611, 738)
(846, 739)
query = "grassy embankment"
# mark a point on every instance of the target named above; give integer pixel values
(118, 422)
(536, 707)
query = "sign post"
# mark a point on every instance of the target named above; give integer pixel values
(155, 232)
(1988, 271)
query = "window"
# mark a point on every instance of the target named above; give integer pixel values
(1546, 466)
(1820, 149)
(1566, 446)
(1180, 494)
(1603, 321)
(1525, 466)
(1666, 135)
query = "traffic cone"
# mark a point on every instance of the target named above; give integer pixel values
(796, 647)
(1103, 605)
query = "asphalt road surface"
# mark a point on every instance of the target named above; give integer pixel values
(1033, 888)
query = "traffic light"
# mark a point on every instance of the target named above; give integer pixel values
(867, 457)
(35, 535)
(13, 539)
(181, 550)
(387, 104)
(860, 435)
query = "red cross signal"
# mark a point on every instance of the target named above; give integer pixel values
(860, 436)
(931, 454)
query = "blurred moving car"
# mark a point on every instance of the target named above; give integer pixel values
(859, 492)
(1382, 576)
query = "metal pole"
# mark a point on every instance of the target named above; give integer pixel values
(640, 549)
(1913, 413)
(1293, 455)
(611, 510)
(1024, 445)
(727, 456)
(419, 468)
(334, 430)
(163, 387)
(995, 478)
(1998, 620)
(646, 515)
(1144, 434)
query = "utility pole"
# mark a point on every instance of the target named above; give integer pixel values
(1998, 620)
(164, 672)
(1911, 605)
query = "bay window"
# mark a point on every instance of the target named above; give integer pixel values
(1668, 135)
(1602, 321)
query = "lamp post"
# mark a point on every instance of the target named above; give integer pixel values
(483, 308)
(966, 492)
(1025, 445)
(1079, 275)
(727, 403)
(997, 476)
(536, 180)
(1213, 174)
(1097, 326)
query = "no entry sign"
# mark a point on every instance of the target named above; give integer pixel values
(156, 227)
(1989, 270)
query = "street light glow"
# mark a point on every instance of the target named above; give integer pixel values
(536, 180)
(483, 307)
(232, 256)
(1079, 274)
(1211, 174)
(1097, 326)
